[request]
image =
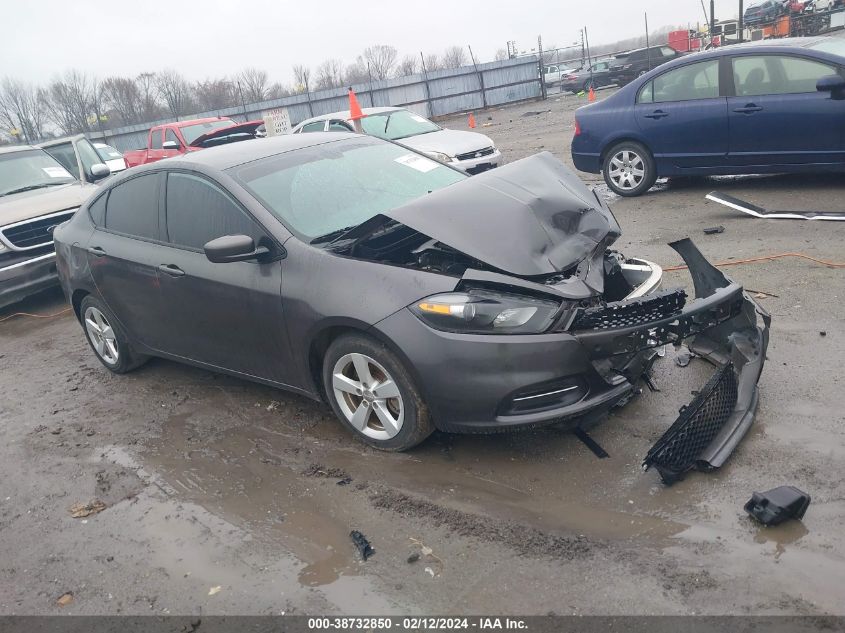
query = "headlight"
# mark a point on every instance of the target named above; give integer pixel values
(443, 158)
(486, 312)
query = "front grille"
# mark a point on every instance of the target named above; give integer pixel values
(35, 233)
(476, 154)
(622, 314)
(698, 424)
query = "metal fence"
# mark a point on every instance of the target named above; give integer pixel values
(432, 94)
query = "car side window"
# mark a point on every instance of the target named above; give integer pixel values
(97, 210)
(339, 126)
(66, 157)
(316, 126)
(646, 94)
(132, 207)
(668, 51)
(198, 211)
(694, 81)
(89, 156)
(777, 75)
(170, 135)
(155, 139)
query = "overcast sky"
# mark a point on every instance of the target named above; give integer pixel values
(207, 38)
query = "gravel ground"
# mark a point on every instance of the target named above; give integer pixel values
(225, 497)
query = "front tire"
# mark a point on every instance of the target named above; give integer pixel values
(373, 395)
(629, 169)
(107, 338)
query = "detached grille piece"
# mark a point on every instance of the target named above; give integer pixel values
(476, 154)
(699, 422)
(37, 232)
(622, 314)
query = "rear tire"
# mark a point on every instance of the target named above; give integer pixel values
(373, 395)
(107, 338)
(629, 169)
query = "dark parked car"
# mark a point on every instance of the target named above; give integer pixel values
(403, 292)
(767, 11)
(596, 76)
(628, 66)
(765, 107)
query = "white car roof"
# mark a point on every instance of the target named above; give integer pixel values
(343, 115)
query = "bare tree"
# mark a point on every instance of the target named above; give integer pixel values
(454, 57)
(150, 104)
(356, 73)
(174, 90)
(277, 91)
(216, 94)
(301, 78)
(71, 100)
(432, 62)
(381, 58)
(501, 54)
(408, 66)
(122, 98)
(329, 74)
(22, 109)
(254, 84)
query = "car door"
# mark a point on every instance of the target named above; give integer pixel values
(155, 151)
(683, 118)
(777, 117)
(123, 253)
(224, 315)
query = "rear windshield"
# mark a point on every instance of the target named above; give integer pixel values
(323, 189)
(107, 152)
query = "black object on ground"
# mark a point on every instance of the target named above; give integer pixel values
(713, 230)
(778, 505)
(363, 545)
(590, 443)
(413, 558)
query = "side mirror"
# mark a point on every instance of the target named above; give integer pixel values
(233, 248)
(170, 145)
(100, 171)
(834, 84)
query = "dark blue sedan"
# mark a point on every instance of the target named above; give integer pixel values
(765, 107)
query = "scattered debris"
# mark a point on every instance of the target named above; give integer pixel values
(714, 230)
(81, 510)
(214, 590)
(65, 599)
(760, 212)
(318, 470)
(534, 113)
(683, 358)
(429, 571)
(590, 443)
(778, 505)
(273, 405)
(363, 545)
(345, 481)
(413, 558)
(822, 333)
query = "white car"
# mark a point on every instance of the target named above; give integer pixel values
(555, 73)
(112, 157)
(470, 152)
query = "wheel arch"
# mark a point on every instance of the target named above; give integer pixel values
(76, 300)
(627, 138)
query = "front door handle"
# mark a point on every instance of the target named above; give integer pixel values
(96, 251)
(749, 109)
(657, 114)
(172, 270)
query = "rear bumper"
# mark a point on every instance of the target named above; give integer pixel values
(20, 280)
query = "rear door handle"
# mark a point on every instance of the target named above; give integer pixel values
(96, 251)
(749, 109)
(172, 270)
(657, 114)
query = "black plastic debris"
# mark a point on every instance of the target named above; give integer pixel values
(363, 545)
(345, 481)
(778, 505)
(699, 422)
(714, 230)
(590, 443)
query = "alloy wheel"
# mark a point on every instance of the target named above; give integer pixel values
(627, 170)
(368, 396)
(102, 336)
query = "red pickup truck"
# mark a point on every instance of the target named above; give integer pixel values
(181, 137)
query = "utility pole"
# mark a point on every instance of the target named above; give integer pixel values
(480, 78)
(427, 89)
(540, 64)
(741, 25)
(712, 13)
(589, 57)
(647, 45)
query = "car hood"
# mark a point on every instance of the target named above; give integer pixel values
(241, 128)
(533, 217)
(32, 204)
(451, 142)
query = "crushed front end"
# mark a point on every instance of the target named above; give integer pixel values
(723, 325)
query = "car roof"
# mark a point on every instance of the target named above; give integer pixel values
(344, 114)
(8, 149)
(223, 157)
(58, 141)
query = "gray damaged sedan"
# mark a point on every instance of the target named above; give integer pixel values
(404, 293)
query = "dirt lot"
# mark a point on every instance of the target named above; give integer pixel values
(227, 497)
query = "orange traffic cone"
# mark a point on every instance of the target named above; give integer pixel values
(471, 120)
(355, 112)
(592, 96)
